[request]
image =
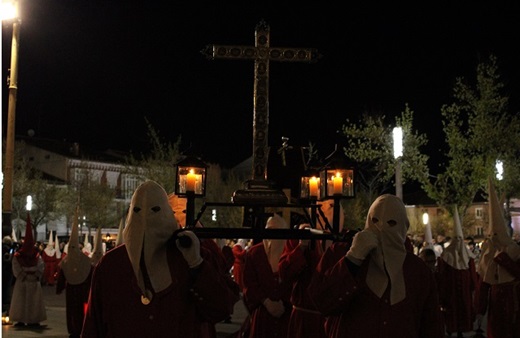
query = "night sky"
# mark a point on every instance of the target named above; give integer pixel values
(92, 71)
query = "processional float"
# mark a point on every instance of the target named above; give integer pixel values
(331, 180)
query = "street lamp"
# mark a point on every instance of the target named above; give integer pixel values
(398, 153)
(499, 165)
(12, 8)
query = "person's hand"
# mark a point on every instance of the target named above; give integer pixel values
(192, 253)
(363, 242)
(275, 308)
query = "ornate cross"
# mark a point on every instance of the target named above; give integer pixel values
(262, 54)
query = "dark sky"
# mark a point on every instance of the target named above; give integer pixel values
(91, 71)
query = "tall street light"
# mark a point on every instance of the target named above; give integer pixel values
(12, 8)
(398, 154)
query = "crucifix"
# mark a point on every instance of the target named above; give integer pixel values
(262, 53)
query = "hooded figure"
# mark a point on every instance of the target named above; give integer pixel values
(457, 253)
(76, 266)
(151, 285)
(74, 277)
(498, 292)
(458, 281)
(51, 261)
(28, 268)
(87, 247)
(379, 288)
(498, 240)
(148, 228)
(98, 248)
(266, 295)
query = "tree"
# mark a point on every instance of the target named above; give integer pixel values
(370, 145)
(160, 165)
(479, 131)
(46, 195)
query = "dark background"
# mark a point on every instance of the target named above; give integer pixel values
(92, 71)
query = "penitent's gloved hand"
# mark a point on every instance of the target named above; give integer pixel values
(363, 242)
(192, 253)
(275, 308)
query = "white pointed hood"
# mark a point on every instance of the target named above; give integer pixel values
(57, 247)
(498, 240)
(457, 253)
(75, 265)
(386, 262)
(49, 248)
(428, 237)
(150, 224)
(13, 236)
(87, 247)
(98, 248)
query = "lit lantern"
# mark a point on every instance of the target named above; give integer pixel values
(337, 177)
(190, 182)
(191, 177)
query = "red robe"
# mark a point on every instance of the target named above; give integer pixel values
(238, 264)
(501, 301)
(342, 291)
(260, 282)
(296, 267)
(76, 298)
(51, 268)
(195, 298)
(456, 288)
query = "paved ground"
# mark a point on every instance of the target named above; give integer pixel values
(56, 327)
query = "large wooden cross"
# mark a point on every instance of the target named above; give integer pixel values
(262, 54)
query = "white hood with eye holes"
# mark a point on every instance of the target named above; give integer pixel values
(387, 218)
(149, 225)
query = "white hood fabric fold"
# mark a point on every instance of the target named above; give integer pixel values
(149, 225)
(387, 219)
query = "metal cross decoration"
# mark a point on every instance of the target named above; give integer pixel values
(262, 53)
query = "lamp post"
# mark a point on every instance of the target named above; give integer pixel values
(12, 8)
(398, 153)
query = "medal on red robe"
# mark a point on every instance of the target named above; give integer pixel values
(146, 298)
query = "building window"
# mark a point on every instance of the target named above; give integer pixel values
(480, 231)
(479, 213)
(130, 183)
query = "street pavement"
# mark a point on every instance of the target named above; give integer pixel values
(56, 326)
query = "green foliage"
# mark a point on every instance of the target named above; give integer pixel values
(370, 145)
(46, 195)
(159, 163)
(479, 130)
